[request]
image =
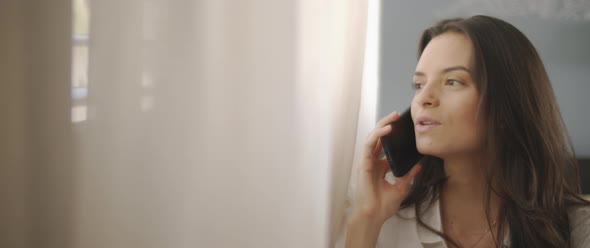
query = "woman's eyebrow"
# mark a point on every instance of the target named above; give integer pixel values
(446, 70)
(455, 68)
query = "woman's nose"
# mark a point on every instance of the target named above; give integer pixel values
(428, 96)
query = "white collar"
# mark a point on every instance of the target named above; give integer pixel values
(431, 216)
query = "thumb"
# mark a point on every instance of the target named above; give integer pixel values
(402, 183)
(414, 171)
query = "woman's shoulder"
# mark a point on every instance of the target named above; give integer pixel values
(580, 226)
(579, 216)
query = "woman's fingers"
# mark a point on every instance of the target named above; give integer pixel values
(373, 138)
(372, 145)
(388, 119)
(378, 148)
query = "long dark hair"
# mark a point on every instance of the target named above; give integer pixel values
(534, 170)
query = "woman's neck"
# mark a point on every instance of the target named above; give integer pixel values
(464, 192)
(465, 188)
(462, 202)
(466, 177)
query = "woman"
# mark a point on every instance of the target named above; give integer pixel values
(499, 169)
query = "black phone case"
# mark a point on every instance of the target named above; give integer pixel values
(399, 146)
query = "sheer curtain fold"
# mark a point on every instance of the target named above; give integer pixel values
(337, 71)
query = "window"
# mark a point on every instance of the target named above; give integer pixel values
(80, 38)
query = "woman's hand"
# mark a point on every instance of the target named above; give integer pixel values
(376, 200)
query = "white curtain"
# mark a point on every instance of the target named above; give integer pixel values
(207, 123)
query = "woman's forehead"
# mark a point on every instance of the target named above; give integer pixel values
(450, 49)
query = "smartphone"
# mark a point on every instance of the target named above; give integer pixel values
(399, 146)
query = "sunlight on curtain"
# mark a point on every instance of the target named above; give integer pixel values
(220, 123)
(367, 115)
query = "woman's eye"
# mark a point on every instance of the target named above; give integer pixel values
(453, 82)
(417, 86)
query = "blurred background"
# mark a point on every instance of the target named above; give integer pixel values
(559, 30)
(175, 123)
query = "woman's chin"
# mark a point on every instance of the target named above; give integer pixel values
(429, 150)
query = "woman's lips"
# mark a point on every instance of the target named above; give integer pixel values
(425, 124)
(424, 127)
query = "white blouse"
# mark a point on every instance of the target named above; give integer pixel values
(403, 231)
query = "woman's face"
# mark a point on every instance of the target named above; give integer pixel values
(444, 107)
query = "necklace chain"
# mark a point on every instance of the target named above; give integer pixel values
(483, 234)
